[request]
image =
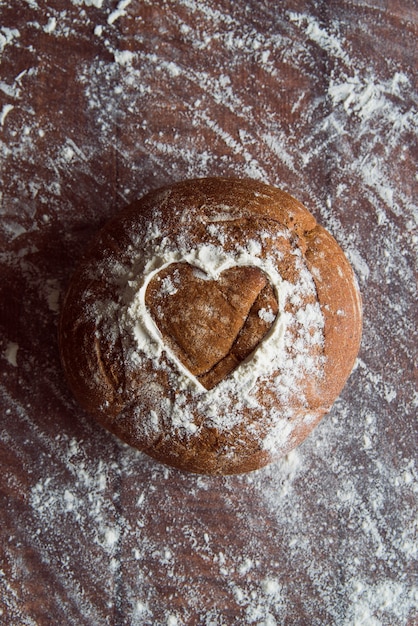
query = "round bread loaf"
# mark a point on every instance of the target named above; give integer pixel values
(211, 324)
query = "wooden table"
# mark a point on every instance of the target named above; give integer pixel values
(102, 101)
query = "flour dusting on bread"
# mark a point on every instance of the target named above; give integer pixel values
(216, 345)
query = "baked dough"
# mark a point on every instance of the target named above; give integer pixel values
(211, 324)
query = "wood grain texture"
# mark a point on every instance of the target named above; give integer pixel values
(103, 101)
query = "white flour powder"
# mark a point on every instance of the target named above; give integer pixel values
(330, 532)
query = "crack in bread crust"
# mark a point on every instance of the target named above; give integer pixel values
(252, 332)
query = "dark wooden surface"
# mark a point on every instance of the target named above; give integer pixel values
(96, 108)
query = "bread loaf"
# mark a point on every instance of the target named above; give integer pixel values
(211, 324)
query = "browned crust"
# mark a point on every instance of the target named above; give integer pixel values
(94, 359)
(337, 293)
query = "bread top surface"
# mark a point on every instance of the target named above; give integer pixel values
(211, 324)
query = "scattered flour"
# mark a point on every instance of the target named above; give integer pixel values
(7, 35)
(330, 532)
(89, 3)
(10, 353)
(5, 112)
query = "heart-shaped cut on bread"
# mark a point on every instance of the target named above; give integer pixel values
(211, 325)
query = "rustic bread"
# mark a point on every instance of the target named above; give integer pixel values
(211, 324)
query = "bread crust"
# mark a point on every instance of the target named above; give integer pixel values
(263, 379)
